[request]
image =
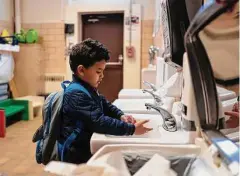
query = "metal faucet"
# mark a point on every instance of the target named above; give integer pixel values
(152, 51)
(169, 121)
(152, 86)
(157, 98)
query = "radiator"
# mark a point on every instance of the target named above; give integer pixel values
(52, 82)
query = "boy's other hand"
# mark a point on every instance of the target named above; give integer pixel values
(233, 121)
(236, 107)
(232, 114)
(140, 129)
(128, 119)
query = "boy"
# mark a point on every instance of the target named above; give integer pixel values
(91, 113)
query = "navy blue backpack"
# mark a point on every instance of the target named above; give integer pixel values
(47, 135)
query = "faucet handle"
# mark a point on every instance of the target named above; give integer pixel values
(152, 86)
(169, 121)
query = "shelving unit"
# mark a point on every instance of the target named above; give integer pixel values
(8, 47)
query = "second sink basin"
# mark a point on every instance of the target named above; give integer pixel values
(137, 106)
(133, 94)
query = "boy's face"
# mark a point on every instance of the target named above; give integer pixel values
(92, 75)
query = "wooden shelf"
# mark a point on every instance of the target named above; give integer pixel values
(8, 47)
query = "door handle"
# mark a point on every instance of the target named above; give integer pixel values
(114, 63)
(120, 58)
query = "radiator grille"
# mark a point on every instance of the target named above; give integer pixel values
(52, 82)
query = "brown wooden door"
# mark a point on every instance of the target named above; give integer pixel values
(108, 29)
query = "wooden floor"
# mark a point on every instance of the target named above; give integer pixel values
(17, 152)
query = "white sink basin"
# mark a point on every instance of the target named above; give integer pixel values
(163, 150)
(157, 136)
(149, 74)
(225, 94)
(134, 94)
(137, 106)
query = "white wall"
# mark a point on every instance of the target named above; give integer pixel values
(6, 10)
(38, 11)
(42, 11)
(148, 6)
(132, 67)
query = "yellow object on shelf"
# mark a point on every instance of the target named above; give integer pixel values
(5, 33)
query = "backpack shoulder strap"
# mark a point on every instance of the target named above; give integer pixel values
(69, 86)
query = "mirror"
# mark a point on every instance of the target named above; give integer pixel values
(212, 47)
(220, 39)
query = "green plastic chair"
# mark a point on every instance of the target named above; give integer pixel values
(12, 107)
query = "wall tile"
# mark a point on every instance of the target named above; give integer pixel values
(147, 41)
(59, 38)
(54, 44)
(49, 37)
(48, 25)
(55, 31)
(53, 41)
(51, 50)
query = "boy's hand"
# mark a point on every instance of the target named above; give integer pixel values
(236, 107)
(233, 121)
(128, 119)
(140, 129)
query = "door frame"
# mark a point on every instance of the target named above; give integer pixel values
(131, 67)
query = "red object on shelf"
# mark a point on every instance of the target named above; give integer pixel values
(2, 124)
(130, 51)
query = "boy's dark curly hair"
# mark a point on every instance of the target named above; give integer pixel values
(87, 53)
